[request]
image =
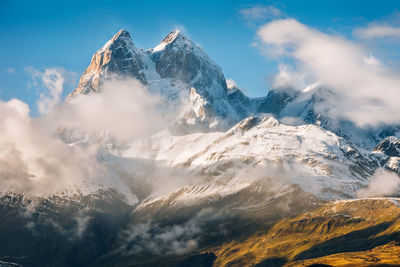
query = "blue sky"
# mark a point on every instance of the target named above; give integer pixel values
(43, 34)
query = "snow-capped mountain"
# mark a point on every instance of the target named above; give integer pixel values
(230, 144)
(180, 71)
(177, 69)
(309, 156)
(229, 163)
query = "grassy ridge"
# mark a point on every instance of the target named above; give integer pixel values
(360, 232)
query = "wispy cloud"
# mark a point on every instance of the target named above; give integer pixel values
(53, 81)
(386, 28)
(366, 91)
(174, 238)
(378, 31)
(260, 12)
(382, 183)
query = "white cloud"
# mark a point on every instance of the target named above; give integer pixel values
(293, 121)
(374, 31)
(173, 238)
(382, 183)
(365, 93)
(82, 223)
(38, 156)
(373, 61)
(31, 158)
(259, 12)
(289, 77)
(53, 81)
(124, 108)
(176, 239)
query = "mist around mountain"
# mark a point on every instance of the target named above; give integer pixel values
(155, 160)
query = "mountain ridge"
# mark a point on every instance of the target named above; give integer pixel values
(177, 69)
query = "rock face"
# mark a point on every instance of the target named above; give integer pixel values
(276, 101)
(390, 146)
(118, 56)
(242, 104)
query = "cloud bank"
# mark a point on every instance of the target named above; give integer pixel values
(124, 109)
(382, 183)
(32, 159)
(63, 148)
(366, 92)
(173, 238)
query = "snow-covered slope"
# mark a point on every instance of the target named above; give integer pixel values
(308, 107)
(309, 156)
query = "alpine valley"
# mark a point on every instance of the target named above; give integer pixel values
(226, 180)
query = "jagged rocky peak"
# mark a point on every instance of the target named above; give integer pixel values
(178, 57)
(171, 37)
(119, 55)
(172, 69)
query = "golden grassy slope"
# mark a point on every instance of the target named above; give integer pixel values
(386, 254)
(357, 232)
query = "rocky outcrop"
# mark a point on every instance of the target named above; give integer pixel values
(117, 56)
(390, 146)
(277, 100)
(242, 104)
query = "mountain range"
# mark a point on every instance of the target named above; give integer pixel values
(240, 171)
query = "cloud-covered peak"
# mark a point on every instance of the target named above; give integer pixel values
(367, 93)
